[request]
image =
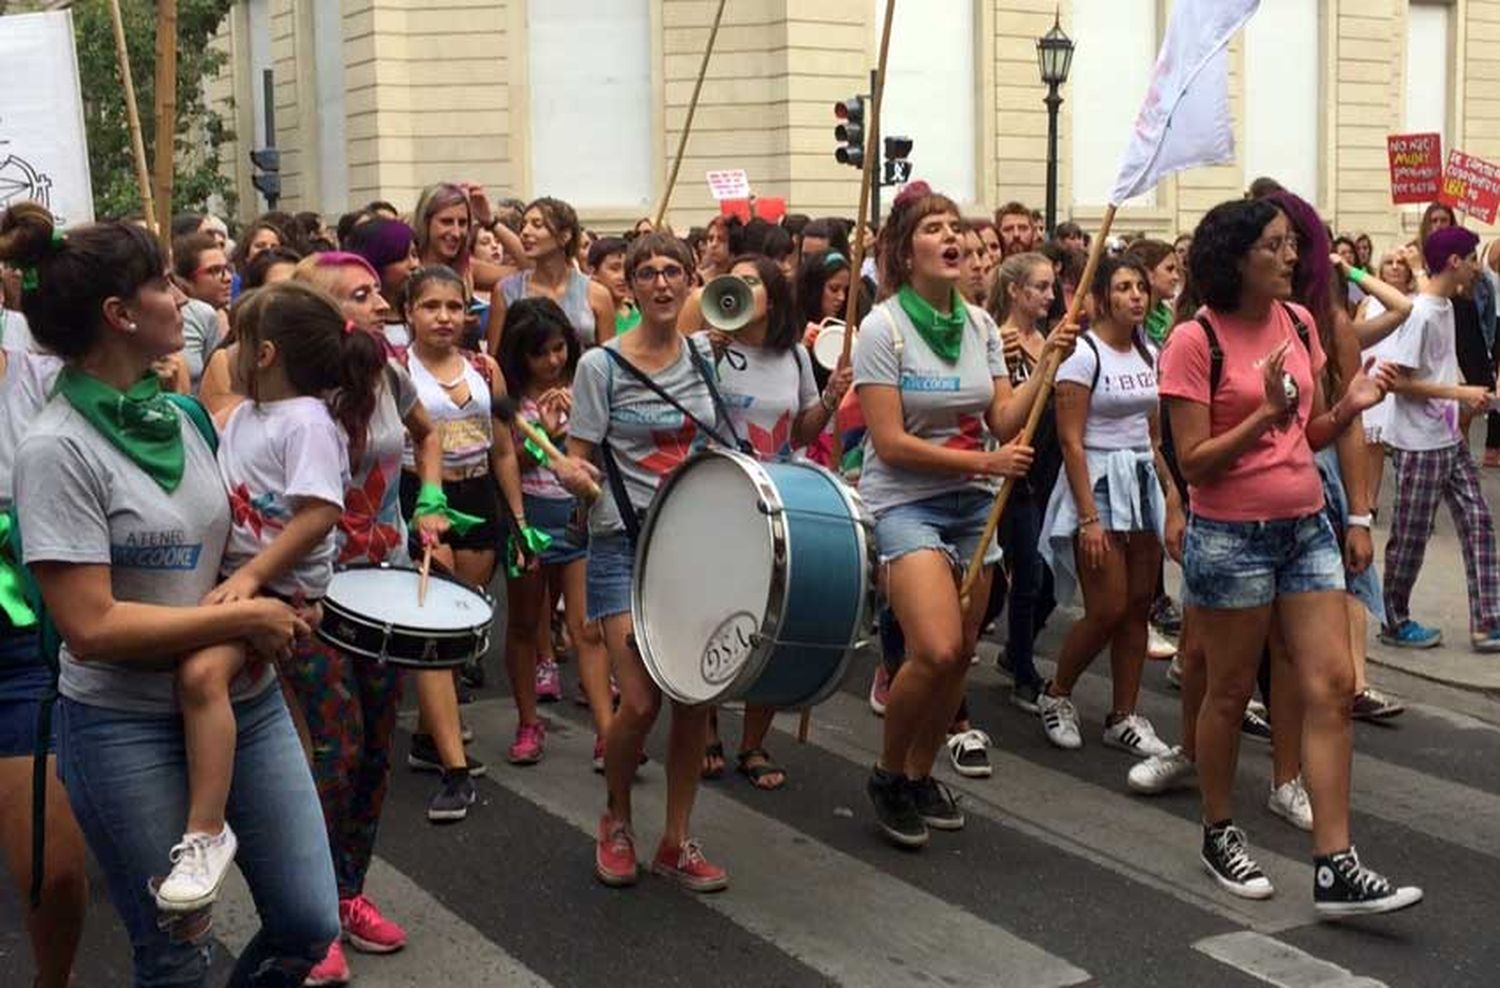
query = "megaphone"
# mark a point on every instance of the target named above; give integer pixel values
(728, 304)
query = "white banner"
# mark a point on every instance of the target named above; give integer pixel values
(1184, 120)
(43, 152)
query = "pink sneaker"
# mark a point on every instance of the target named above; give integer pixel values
(598, 753)
(332, 969)
(366, 929)
(531, 739)
(614, 854)
(880, 689)
(548, 682)
(687, 866)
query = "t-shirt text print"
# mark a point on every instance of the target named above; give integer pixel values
(165, 550)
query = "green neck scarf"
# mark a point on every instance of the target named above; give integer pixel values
(142, 423)
(1158, 321)
(943, 333)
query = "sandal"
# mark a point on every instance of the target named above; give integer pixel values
(757, 774)
(713, 761)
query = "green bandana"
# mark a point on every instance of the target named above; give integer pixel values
(945, 334)
(1158, 321)
(13, 578)
(432, 501)
(141, 423)
(627, 322)
(533, 543)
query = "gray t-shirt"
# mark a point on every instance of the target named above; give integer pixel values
(83, 501)
(648, 437)
(28, 381)
(200, 336)
(941, 403)
(764, 391)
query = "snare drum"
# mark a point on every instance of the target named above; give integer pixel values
(372, 611)
(828, 348)
(753, 581)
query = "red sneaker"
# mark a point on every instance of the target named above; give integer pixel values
(531, 740)
(366, 929)
(332, 969)
(687, 866)
(614, 855)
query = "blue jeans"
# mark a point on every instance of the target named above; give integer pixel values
(1019, 531)
(126, 776)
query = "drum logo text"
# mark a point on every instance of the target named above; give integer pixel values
(728, 646)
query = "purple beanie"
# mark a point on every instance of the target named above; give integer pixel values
(381, 241)
(1448, 242)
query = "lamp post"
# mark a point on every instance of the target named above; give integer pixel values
(1054, 56)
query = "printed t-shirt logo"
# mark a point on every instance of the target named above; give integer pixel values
(970, 434)
(156, 550)
(773, 441)
(913, 381)
(671, 449)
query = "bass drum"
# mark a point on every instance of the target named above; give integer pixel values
(753, 581)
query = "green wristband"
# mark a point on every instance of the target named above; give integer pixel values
(432, 501)
(1357, 276)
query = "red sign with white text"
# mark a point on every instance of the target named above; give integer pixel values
(1416, 167)
(1471, 186)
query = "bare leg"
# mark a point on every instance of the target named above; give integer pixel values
(758, 721)
(56, 926)
(209, 731)
(1232, 645)
(524, 598)
(1359, 632)
(1286, 712)
(1194, 680)
(684, 752)
(437, 715)
(593, 659)
(640, 701)
(922, 593)
(1374, 470)
(949, 696)
(1127, 653)
(1320, 655)
(1104, 594)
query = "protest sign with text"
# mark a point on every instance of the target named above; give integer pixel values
(1416, 167)
(1471, 185)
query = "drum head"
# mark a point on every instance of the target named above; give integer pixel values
(828, 348)
(703, 579)
(388, 595)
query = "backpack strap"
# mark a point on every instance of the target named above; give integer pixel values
(1089, 339)
(1215, 354)
(198, 415)
(1303, 333)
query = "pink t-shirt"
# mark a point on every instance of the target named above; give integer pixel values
(1276, 476)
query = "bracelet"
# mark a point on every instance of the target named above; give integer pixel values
(1088, 520)
(828, 404)
(1357, 276)
(1359, 521)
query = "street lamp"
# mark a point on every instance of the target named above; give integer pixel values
(1054, 56)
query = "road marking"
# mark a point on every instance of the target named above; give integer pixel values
(1278, 963)
(825, 908)
(441, 948)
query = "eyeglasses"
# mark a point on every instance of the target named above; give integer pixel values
(646, 276)
(216, 271)
(1276, 245)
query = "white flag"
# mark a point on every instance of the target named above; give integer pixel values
(43, 154)
(1184, 121)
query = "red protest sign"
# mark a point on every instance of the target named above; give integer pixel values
(1472, 185)
(1416, 166)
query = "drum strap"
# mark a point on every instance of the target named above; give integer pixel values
(628, 515)
(713, 391)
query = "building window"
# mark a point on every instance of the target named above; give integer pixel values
(328, 72)
(258, 16)
(1117, 42)
(1283, 83)
(930, 97)
(591, 101)
(1429, 27)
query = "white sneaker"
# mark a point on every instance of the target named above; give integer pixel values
(1059, 721)
(1135, 735)
(1174, 672)
(1159, 773)
(970, 753)
(199, 864)
(1158, 645)
(1289, 801)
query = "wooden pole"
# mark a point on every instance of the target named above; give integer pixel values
(1047, 371)
(166, 114)
(687, 124)
(861, 211)
(133, 116)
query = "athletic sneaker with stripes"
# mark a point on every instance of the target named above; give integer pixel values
(1227, 858)
(1344, 887)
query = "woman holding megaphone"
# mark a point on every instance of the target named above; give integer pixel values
(773, 402)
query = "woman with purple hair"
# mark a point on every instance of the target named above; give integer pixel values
(390, 248)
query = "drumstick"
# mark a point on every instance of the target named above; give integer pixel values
(426, 569)
(803, 724)
(507, 411)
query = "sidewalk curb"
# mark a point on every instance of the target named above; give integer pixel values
(1488, 683)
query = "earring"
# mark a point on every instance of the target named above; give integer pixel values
(131, 327)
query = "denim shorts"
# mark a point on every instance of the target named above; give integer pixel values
(950, 523)
(24, 681)
(1236, 565)
(554, 515)
(611, 568)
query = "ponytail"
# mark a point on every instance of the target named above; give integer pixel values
(362, 360)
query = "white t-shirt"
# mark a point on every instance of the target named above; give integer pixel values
(272, 455)
(1425, 346)
(28, 381)
(1377, 419)
(764, 391)
(1123, 394)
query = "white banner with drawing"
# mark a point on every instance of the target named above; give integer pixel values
(43, 152)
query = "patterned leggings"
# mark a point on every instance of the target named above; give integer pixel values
(1423, 477)
(350, 704)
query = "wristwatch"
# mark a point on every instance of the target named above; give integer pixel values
(1359, 521)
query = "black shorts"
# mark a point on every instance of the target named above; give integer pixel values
(474, 496)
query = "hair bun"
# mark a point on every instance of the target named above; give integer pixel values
(26, 234)
(910, 193)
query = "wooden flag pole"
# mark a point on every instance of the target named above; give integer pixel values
(687, 124)
(861, 211)
(166, 115)
(1047, 371)
(133, 117)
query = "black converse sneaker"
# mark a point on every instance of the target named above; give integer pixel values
(896, 809)
(1227, 859)
(936, 805)
(1344, 887)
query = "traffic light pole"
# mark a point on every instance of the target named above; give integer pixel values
(268, 88)
(879, 172)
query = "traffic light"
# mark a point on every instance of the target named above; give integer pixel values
(850, 132)
(897, 167)
(267, 179)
